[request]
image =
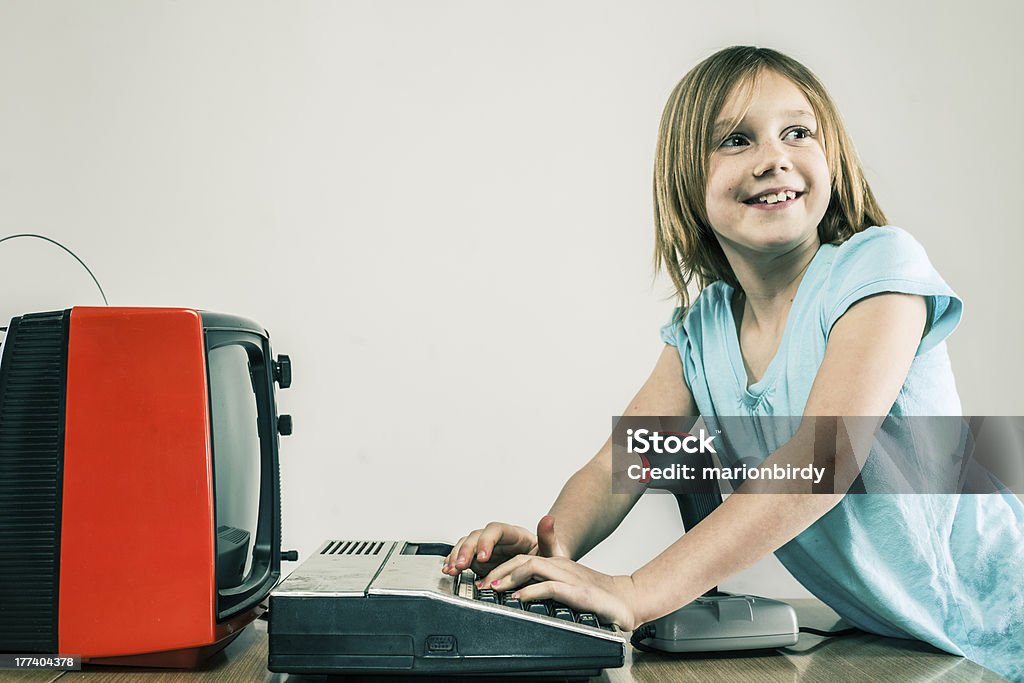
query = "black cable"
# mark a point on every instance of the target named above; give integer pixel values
(829, 634)
(73, 254)
(641, 634)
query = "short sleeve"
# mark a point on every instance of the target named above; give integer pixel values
(672, 332)
(678, 332)
(888, 259)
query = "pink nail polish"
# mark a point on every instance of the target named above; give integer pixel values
(494, 583)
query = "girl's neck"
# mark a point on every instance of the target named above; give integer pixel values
(770, 282)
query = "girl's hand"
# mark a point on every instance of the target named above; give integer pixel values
(485, 549)
(611, 598)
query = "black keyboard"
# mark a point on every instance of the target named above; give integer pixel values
(465, 586)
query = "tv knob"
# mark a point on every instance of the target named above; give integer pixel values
(284, 425)
(283, 371)
(289, 555)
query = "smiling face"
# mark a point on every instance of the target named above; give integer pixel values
(768, 182)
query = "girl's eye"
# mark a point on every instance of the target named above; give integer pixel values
(798, 133)
(734, 141)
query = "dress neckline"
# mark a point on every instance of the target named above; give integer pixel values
(754, 392)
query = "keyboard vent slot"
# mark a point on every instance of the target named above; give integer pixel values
(353, 548)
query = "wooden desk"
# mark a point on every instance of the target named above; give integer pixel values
(849, 658)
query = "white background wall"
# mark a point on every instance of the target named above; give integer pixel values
(442, 212)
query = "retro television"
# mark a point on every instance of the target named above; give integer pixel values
(139, 489)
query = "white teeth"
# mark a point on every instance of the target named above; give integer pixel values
(775, 198)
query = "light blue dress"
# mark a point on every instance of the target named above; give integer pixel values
(945, 569)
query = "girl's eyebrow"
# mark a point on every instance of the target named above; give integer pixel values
(723, 126)
(799, 112)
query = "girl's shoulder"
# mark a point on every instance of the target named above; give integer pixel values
(707, 309)
(886, 242)
(887, 259)
(883, 252)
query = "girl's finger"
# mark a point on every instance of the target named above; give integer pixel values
(466, 551)
(497, 575)
(580, 598)
(565, 593)
(547, 541)
(449, 561)
(534, 567)
(491, 535)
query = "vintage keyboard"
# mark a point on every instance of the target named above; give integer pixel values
(385, 607)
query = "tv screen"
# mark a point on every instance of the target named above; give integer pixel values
(236, 448)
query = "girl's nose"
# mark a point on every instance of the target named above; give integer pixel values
(772, 157)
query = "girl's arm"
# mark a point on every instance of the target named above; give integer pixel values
(867, 358)
(586, 509)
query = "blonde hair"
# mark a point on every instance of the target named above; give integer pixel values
(685, 245)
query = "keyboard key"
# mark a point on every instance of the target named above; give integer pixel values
(538, 608)
(465, 584)
(563, 613)
(514, 603)
(487, 595)
(588, 619)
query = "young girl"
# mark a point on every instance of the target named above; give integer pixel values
(807, 307)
